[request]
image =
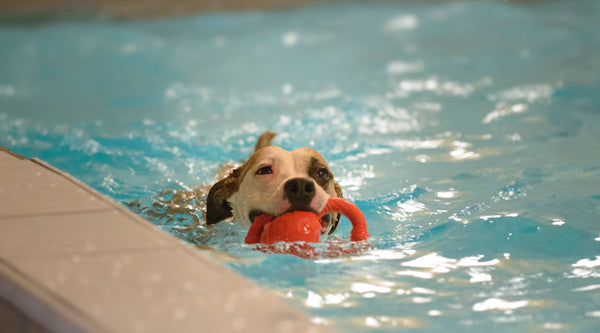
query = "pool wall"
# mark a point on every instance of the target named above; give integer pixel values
(72, 260)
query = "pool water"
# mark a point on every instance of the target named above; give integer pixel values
(467, 132)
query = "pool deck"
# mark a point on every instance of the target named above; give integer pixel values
(73, 260)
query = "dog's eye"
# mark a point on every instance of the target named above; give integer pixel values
(264, 170)
(323, 173)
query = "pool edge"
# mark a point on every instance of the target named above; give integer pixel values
(33, 299)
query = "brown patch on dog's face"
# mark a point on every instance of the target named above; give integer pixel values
(320, 172)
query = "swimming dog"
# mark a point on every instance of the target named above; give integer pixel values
(274, 181)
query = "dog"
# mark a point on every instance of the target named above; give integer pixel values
(274, 181)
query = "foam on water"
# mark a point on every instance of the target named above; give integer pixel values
(467, 132)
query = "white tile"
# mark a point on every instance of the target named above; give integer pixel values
(75, 234)
(27, 188)
(164, 291)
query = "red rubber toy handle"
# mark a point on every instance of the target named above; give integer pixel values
(257, 229)
(352, 212)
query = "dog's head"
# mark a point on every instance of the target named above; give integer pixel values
(275, 181)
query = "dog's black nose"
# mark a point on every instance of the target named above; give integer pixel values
(299, 192)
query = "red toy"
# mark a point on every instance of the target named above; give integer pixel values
(305, 226)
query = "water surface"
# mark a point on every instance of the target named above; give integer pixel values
(467, 132)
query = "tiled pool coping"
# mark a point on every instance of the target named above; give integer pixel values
(72, 260)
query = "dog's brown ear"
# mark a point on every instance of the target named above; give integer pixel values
(338, 190)
(217, 207)
(264, 140)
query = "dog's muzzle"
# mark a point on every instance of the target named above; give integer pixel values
(300, 193)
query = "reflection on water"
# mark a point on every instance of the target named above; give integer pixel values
(469, 141)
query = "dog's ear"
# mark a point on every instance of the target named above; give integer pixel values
(264, 140)
(338, 190)
(217, 207)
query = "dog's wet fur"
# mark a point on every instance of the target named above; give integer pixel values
(274, 181)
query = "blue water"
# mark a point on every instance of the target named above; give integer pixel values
(467, 132)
